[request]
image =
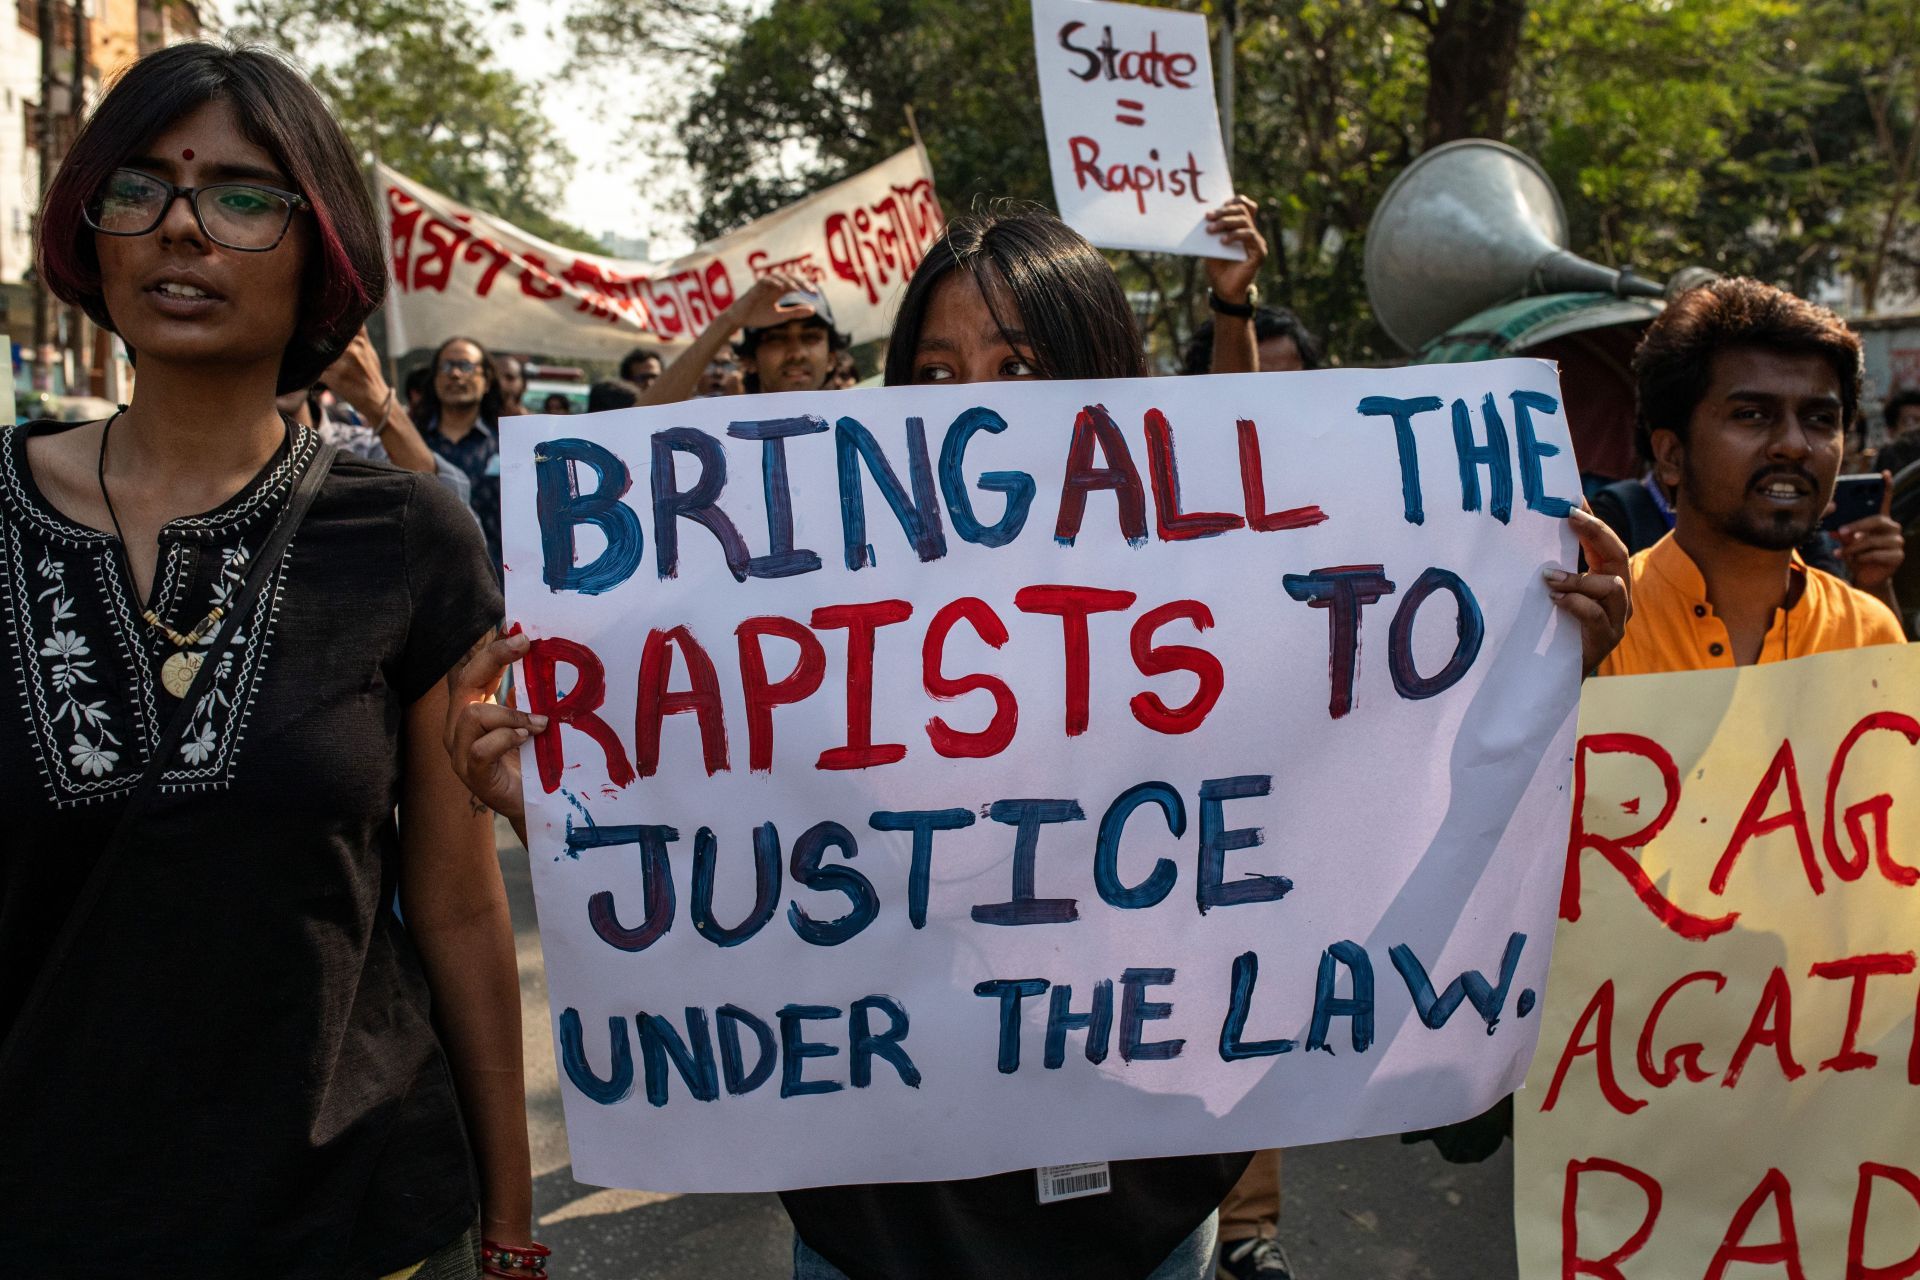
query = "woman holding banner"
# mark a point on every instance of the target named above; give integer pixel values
(1002, 296)
(222, 1051)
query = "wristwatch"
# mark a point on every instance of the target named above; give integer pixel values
(1241, 309)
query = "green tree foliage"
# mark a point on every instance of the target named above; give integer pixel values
(415, 83)
(1769, 137)
(1329, 103)
(811, 91)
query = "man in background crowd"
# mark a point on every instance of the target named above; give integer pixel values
(787, 342)
(1642, 512)
(556, 403)
(1903, 414)
(382, 429)
(721, 377)
(1899, 453)
(513, 385)
(415, 387)
(1245, 337)
(611, 393)
(846, 372)
(1281, 342)
(1746, 393)
(461, 415)
(640, 367)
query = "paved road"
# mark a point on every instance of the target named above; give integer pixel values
(1373, 1210)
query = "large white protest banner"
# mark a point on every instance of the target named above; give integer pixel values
(952, 779)
(457, 270)
(1133, 135)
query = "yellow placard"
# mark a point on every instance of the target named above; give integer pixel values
(1728, 1081)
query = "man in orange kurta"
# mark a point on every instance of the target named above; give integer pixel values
(1747, 393)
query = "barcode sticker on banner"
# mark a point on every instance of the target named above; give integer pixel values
(1071, 1181)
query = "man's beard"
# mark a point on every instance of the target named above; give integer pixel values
(1776, 531)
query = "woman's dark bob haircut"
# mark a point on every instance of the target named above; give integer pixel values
(346, 275)
(1073, 313)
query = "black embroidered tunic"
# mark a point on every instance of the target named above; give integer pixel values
(231, 1070)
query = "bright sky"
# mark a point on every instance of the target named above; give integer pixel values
(611, 180)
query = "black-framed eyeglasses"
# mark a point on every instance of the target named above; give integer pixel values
(245, 216)
(459, 367)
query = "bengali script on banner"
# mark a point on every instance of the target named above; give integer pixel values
(458, 271)
(948, 780)
(1728, 1081)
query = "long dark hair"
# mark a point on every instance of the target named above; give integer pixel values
(1076, 317)
(490, 401)
(345, 278)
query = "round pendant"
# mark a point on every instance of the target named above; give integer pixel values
(178, 671)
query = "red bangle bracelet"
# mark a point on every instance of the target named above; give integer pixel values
(517, 1261)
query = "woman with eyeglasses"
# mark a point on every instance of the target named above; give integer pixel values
(259, 1009)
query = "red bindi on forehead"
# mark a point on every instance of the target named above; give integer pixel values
(187, 154)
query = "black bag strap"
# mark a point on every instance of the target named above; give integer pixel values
(259, 573)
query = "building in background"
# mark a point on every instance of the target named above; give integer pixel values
(110, 35)
(629, 248)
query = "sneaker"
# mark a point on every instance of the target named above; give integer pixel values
(1257, 1259)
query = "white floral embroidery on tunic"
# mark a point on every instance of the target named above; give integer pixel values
(86, 665)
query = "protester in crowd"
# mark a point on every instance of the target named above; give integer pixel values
(462, 416)
(1903, 413)
(1641, 511)
(611, 393)
(791, 354)
(1746, 393)
(1250, 1247)
(721, 377)
(556, 403)
(384, 431)
(640, 367)
(1233, 343)
(259, 1010)
(415, 387)
(1899, 453)
(1001, 296)
(845, 373)
(787, 342)
(1282, 344)
(513, 385)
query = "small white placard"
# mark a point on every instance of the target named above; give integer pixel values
(1133, 134)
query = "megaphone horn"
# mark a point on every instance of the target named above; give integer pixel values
(1469, 225)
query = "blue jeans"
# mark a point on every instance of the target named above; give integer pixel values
(1191, 1259)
